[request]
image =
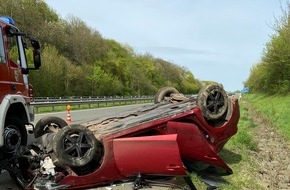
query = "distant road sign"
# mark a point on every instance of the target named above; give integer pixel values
(245, 89)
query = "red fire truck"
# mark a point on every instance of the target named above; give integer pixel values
(15, 91)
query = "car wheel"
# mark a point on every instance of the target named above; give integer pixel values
(75, 145)
(15, 135)
(48, 125)
(213, 102)
(164, 94)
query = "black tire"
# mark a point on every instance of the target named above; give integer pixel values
(15, 135)
(163, 94)
(213, 102)
(44, 125)
(75, 145)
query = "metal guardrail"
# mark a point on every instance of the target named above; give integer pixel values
(52, 102)
(86, 98)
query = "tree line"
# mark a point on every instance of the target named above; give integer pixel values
(272, 74)
(78, 61)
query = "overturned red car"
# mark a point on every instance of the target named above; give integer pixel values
(167, 138)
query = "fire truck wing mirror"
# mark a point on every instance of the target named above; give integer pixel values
(35, 44)
(36, 58)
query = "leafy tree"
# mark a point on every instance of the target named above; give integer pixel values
(272, 74)
(49, 80)
(103, 83)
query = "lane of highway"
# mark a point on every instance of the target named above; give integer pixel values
(78, 116)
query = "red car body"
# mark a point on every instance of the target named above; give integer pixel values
(155, 143)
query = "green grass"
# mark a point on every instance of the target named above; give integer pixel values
(244, 138)
(275, 109)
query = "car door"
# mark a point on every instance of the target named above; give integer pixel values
(149, 155)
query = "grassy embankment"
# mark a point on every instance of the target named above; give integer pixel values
(238, 152)
(275, 109)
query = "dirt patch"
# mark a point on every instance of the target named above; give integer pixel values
(272, 155)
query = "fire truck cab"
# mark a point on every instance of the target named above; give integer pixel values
(15, 91)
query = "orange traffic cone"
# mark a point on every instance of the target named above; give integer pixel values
(68, 118)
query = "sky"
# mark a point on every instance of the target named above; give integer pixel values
(215, 40)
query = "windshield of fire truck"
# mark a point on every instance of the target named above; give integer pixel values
(13, 49)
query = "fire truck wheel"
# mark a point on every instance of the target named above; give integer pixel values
(48, 124)
(213, 102)
(75, 145)
(15, 134)
(164, 94)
